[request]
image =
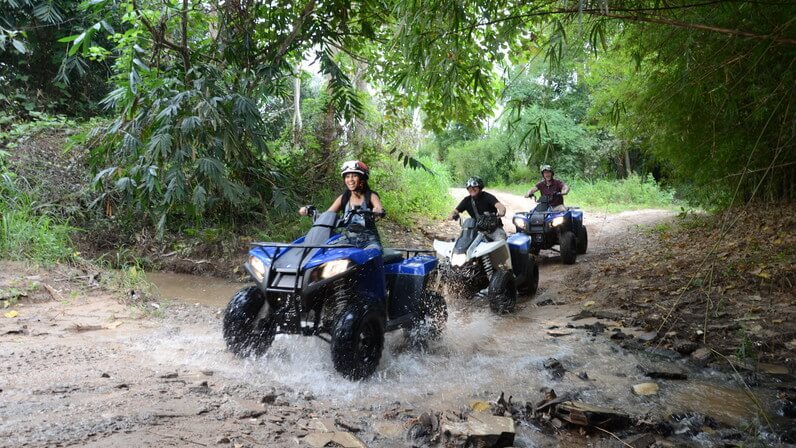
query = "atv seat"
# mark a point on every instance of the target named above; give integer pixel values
(392, 256)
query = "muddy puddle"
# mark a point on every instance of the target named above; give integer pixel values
(479, 356)
(193, 289)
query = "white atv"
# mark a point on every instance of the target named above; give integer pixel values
(473, 262)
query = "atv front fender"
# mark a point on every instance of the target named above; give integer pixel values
(443, 248)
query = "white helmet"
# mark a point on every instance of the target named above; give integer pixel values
(355, 166)
(544, 168)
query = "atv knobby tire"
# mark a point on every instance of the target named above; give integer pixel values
(249, 323)
(568, 250)
(531, 283)
(502, 292)
(583, 240)
(461, 282)
(357, 340)
(430, 316)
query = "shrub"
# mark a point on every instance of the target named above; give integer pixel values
(26, 234)
(406, 192)
(610, 195)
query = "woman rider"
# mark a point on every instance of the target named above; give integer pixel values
(360, 229)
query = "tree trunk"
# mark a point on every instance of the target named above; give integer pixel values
(297, 123)
(628, 169)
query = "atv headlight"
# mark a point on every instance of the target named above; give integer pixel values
(557, 221)
(258, 268)
(458, 259)
(519, 223)
(335, 267)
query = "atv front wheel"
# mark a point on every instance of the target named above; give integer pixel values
(249, 323)
(531, 283)
(502, 293)
(583, 240)
(357, 341)
(568, 251)
(430, 316)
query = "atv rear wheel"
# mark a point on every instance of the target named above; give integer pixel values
(430, 316)
(357, 341)
(568, 251)
(531, 283)
(249, 323)
(502, 292)
(583, 240)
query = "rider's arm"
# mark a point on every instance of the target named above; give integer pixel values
(375, 201)
(564, 188)
(335, 207)
(501, 209)
(459, 208)
(531, 191)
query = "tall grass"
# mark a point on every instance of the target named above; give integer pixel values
(26, 234)
(632, 193)
(406, 193)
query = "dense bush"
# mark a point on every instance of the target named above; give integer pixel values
(489, 158)
(25, 233)
(407, 192)
(608, 195)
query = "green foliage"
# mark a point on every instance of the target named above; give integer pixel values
(189, 150)
(718, 108)
(441, 55)
(609, 195)
(26, 231)
(562, 142)
(406, 192)
(489, 158)
(31, 71)
(13, 131)
(195, 93)
(25, 234)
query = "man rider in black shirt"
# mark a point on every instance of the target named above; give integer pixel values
(479, 202)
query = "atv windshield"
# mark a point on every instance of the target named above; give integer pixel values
(469, 232)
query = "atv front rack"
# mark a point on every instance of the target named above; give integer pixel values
(277, 279)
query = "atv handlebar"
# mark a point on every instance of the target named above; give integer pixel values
(542, 196)
(312, 212)
(357, 211)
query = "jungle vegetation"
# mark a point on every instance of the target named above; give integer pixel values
(208, 112)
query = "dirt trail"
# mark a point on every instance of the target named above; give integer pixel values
(604, 229)
(80, 368)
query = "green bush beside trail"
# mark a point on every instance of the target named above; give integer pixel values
(632, 193)
(407, 192)
(26, 234)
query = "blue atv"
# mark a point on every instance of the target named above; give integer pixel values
(344, 294)
(548, 228)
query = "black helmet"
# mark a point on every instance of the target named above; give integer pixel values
(475, 181)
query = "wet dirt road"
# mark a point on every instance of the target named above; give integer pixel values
(87, 371)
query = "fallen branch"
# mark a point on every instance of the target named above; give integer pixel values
(613, 435)
(195, 261)
(53, 293)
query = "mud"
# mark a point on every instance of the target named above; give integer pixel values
(86, 367)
